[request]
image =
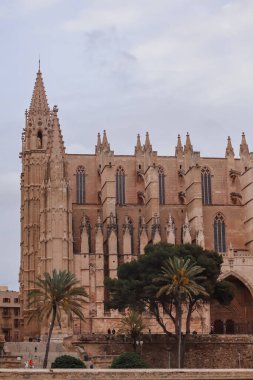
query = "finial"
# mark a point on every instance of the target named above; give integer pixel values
(39, 63)
(147, 145)
(229, 148)
(244, 149)
(188, 145)
(138, 147)
(179, 147)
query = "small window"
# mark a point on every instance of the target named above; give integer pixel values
(39, 140)
(16, 300)
(16, 323)
(6, 300)
(80, 185)
(219, 234)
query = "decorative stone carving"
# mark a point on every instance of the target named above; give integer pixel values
(170, 231)
(186, 231)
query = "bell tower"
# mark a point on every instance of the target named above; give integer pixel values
(46, 218)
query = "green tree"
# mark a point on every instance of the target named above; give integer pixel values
(133, 324)
(67, 361)
(129, 360)
(135, 288)
(179, 281)
(54, 294)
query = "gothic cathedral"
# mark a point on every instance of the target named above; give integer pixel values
(88, 213)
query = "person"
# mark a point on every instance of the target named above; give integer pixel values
(113, 331)
(26, 364)
(91, 364)
(109, 331)
(30, 364)
(149, 335)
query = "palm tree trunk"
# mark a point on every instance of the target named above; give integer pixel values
(179, 332)
(49, 337)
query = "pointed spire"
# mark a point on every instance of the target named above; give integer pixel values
(244, 149)
(98, 146)
(170, 231)
(147, 145)
(229, 149)
(138, 147)
(188, 145)
(57, 149)
(179, 148)
(39, 99)
(105, 144)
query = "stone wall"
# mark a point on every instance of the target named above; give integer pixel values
(126, 374)
(201, 351)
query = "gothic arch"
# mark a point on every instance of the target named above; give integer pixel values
(239, 277)
(206, 185)
(80, 184)
(120, 186)
(161, 182)
(219, 229)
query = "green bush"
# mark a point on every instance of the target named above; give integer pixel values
(129, 360)
(67, 361)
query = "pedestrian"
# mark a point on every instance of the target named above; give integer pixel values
(109, 331)
(91, 364)
(149, 335)
(113, 331)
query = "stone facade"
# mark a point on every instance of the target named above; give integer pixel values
(87, 213)
(9, 314)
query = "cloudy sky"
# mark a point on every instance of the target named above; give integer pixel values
(127, 66)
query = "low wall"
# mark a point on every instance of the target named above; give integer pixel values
(126, 374)
(201, 351)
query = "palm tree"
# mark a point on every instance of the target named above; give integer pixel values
(133, 324)
(52, 295)
(180, 278)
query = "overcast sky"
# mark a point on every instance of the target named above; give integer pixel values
(127, 66)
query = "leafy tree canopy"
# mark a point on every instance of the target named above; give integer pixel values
(136, 289)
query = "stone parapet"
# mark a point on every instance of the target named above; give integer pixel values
(158, 374)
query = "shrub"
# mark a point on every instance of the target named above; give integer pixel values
(67, 361)
(129, 360)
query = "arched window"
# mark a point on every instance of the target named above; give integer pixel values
(120, 186)
(161, 186)
(219, 233)
(39, 140)
(206, 186)
(80, 185)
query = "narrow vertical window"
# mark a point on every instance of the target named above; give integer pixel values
(161, 186)
(219, 233)
(206, 186)
(80, 185)
(120, 186)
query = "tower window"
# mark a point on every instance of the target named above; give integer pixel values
(161, 186)
(219, 233)
(120, 186)
(206, 186)
(80, 185)
(39, 140)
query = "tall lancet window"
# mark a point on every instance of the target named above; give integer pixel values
(120, 186)
(206, 186)
(80, 185)
(219, 233)
(161, 186)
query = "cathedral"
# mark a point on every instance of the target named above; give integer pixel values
(88, 213)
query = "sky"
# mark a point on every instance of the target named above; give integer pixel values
(128, 66)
